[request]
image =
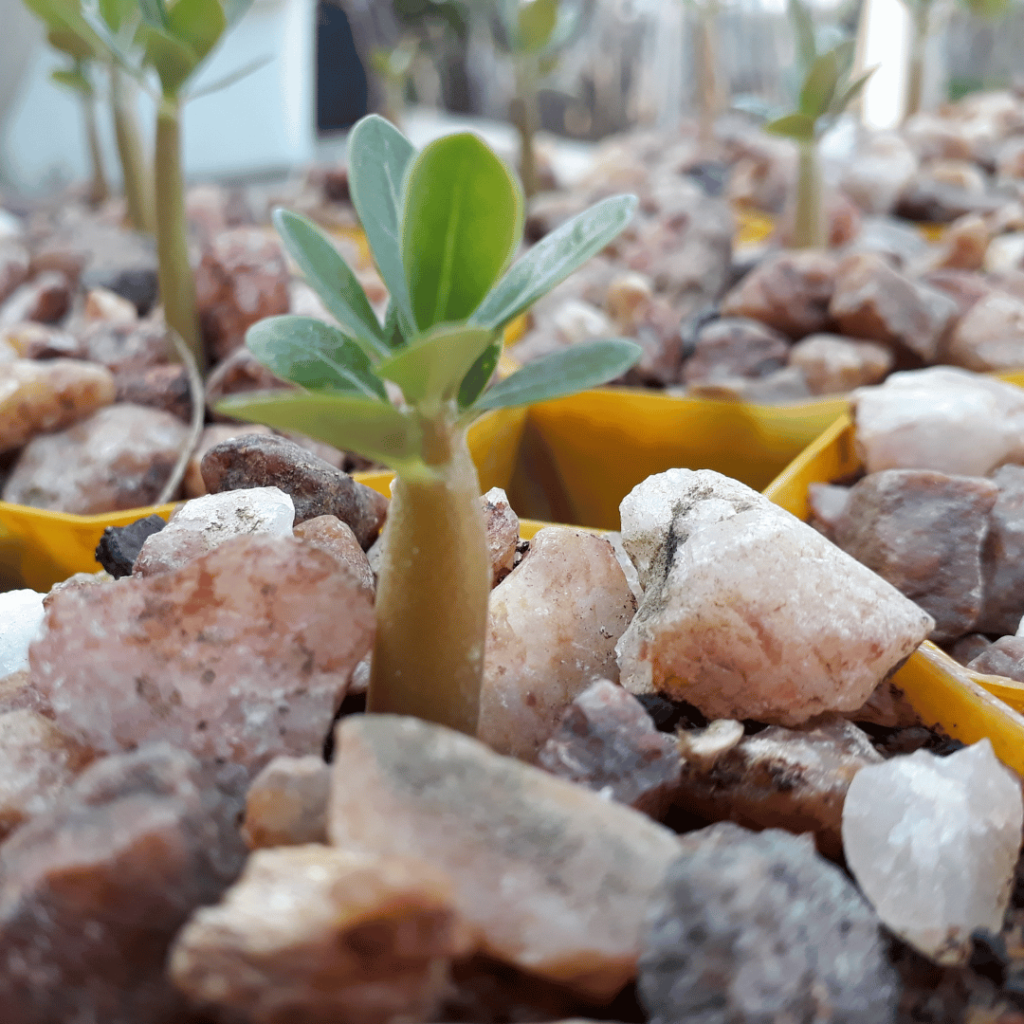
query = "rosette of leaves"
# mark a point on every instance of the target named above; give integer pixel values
(826, 91)
(443, 225)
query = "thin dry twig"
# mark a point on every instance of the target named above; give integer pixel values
(198, 394)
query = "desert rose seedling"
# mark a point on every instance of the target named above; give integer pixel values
(443, 225)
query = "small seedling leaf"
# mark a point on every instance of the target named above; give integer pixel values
(332, 279)
(793, 126)
(562, 373)
(432, 368)
(535, 24)
(462, 221)
(479, 374)
(820, 85)
(72, 44)
(173, 60)
(553, 259)
(117, 13)
(378, 156)
(366, 426)
(852, 91)
(314, 355)
(198, 24)
(74, 80)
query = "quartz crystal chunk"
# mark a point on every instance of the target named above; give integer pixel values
(749, 613)
(1003, 555)
(940, 418)
(287, 803)
(242, 655)
(336, 538)
(502, 533)
(933, 843)
(552, 627)
(556, 879)
(21, 619)
(751, 928)
(202, 524)
(324, 936)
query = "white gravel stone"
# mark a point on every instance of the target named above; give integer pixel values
(749, 613)
(933, 843)
(21, 620)
(940, 418)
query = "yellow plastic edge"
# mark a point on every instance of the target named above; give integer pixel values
(966, 705)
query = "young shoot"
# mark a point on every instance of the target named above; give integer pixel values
(443, 225)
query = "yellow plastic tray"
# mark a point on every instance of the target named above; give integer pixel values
(966, 705)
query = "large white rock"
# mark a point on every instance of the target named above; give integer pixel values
(941, 418)
(202, 524)
(749, 613)
(21, 620)
(933, 843)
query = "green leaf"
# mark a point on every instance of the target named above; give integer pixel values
(432, 368)
(803, 31)
(369, 427)
(852, 91)
(333, 280)
(173, 60)
(73, 80)
(198, 24)
(70, 43)
(844, 53)
(117, 12)
(793, 126)
(820, 85)
(462, 221)
(553, 259)
(480, 374)
(314, 355)
(154, 12)
(378, 156)
(562, 373)
(535, 23)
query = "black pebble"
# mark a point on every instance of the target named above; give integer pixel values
(120, 545)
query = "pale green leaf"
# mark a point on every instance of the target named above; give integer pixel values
(803, 32)
(820, 85)
(173, 60)
(73, 80)
(793, 126)
(851, 92)
(198, 24)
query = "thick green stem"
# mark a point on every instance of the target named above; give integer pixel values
(918, 45)
(137, 188)
(526, 117)
(432, 592)
(810, 227)
(99, 190)
(177, 285)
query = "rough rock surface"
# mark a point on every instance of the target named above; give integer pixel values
(315, 487)
(607, 742)
(834, 365)
(119, 458)
(990, 336)
(1004, 657)
(735, 347)
(793, 779)
(325, 936)
(502, 533)
(556, 879)
(204, 523)
(337, 538)
(45, 298)
(243, 654)
(120, 545)
(552, 628)
(940, 418)
(32, 340)
(96, 888)
(127, 347)
(790, 291)
(14, 265)
(1003, 556)
(159, 387)
(749, 613)
(36, 397)
(21, 617)
(923, 532)
(933, 843)
(286, 805)
(749, 928)
(826, 503)
(195, 486)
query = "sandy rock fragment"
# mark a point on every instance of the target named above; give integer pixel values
(628, 298)
(1003, 657)
(735, 347)
(1003, 556)
(827, 503)
(18, 692)
(316, 487)
(203, 524)
(96, 888)
(789, 292)
(127, 347)
(286, 805)
(37, 761)
(833, 365)
(933, 842)
(243, 654)
(21, 620)
(37, 397)
(752, 927)
(14, 266)
(158, 387)
(968, 647)
(119, 458)
(502, 533)
(104, 304)
(556, 879)
(923, 532)
(337, 538)
(793, 779)
(964, 244)
(607, 742)
(879, 171)
(749, 613)
(874, 302)
(46, 298)
(940, 418)
(990, 336)
(195, 487)
(552, 628)
(32, 340)
(324, 936)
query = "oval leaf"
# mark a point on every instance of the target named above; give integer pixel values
(577, 368)
(462, 220)
(313, 355)
(173, 60)
(332, 279)
(820, 85)
(378, 157)
(553, 259)
(370, 428)
(793, 126)
(198, 24)
(432, 368)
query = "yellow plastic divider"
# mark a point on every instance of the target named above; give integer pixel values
(966, 705)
